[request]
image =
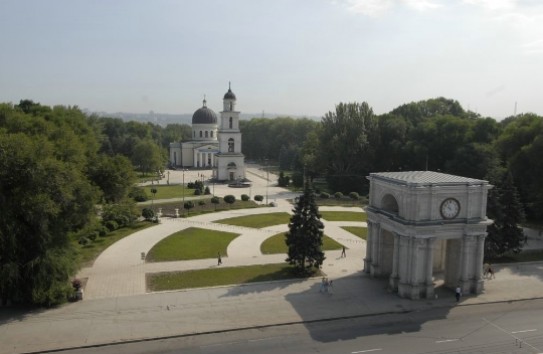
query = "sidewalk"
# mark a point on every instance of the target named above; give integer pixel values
(177, 313)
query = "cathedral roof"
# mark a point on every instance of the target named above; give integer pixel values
(204, 115)
(229, 95)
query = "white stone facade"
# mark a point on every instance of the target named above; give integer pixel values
(421, 222)
(230, 160)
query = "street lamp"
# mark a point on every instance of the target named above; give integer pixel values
(183, 169)
(267, 178)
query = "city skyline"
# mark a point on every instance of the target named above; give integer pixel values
(297, 58)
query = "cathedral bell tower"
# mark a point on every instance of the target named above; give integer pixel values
(230, 160)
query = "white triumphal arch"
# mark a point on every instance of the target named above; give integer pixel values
(421, 222)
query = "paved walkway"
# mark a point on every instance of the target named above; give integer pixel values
(120, 271)
(117, 309)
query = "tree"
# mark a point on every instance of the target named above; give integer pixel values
(230, 199)
(304, 238)
(114, 175)
(505, 209)
(188, 205)
(148, 213)
(283, 180)
(215, 201)
(147, 156)
(42, 199)
(346, 149)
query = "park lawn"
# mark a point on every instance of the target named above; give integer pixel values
(221, 276)
(343, 216)
(191, 243)
(167, 191)
(359, 231)
(524, 256)
(276, 244)
(88, 253)
(258, 221)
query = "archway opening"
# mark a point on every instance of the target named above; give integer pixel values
(389, 204)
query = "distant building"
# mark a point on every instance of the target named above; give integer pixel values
(213, 146)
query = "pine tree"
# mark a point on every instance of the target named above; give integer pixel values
(304, 238)
(505, 208)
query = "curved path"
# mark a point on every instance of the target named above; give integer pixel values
(120, 270)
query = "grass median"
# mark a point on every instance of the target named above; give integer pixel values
(343, 216)
(276, 244)
(359, 231)
(222, 276)
(191, 243)
(258, 221)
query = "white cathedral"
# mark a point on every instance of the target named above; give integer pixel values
(213, 147)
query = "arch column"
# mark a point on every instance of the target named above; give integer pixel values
(369, 248)
(395, 276)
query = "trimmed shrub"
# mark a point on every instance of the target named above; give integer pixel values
(245, 197)
(338, 195)
(102, 231)
(207, 191)
(201, 202)
(83, 241)
(92, 235)
(138, 194)
(111, 225)
(259, 198)
(325, 195)
(148, 213)
(197, 192)
(215, 200)
(230, 199)
(354, 196)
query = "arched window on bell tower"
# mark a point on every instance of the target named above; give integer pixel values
(230, 145)
(230, 122)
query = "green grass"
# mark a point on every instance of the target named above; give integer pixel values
(343, 216)
(165, 191)
(258, 221)
(525, 256)
(168, 208)
(359, 231)
(191, 243)
(88, 253)
(221, 276)
(276, 244)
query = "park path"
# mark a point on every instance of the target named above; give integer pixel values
(120, 270)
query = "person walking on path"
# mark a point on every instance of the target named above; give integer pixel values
(458, 293)
(343, 254)
(219, 260)
(491, 273)
(323, 285)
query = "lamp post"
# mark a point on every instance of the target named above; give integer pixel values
(183, 185)
(267, 179)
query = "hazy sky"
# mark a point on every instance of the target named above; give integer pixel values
(299, 57)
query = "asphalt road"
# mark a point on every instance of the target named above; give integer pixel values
(514, 327)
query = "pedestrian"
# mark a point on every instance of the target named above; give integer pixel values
(330, 287)
(343, 254)
(323, 285)
(491, 273)
(219, 260)
(458, 293)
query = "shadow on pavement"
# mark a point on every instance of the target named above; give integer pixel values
(11, 314)
(360, 301)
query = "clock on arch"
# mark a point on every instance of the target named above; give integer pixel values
(450, 208)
